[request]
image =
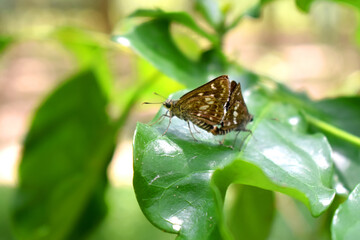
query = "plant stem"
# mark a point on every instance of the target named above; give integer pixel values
(333, 130)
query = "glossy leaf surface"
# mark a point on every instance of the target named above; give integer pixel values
(346, 221)
(180, 184)
(338, 119)
(178, 17)
(161, 51)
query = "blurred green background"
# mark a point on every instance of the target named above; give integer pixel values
(43, 42)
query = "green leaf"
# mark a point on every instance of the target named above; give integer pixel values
(251, 208)
(293, 221)
(357, 34)
(178, 17)
(214, 61)
(281, 229)
(90, 50)
(305, 5)
(342, 112)
(253, 12)
(354, 3)
(211, 11)
(180, 184)
(6, 199)
(125, 220)
(171, 181)
(338, 119)
(160, 50)
(5, 41)
(62, 175)
(346, 221)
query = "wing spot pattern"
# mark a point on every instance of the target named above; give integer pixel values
(204, 107)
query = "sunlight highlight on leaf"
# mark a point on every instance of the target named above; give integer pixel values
(122, 40)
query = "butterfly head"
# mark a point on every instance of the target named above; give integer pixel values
(169, 104)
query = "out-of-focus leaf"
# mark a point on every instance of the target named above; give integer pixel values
(342, 112)
(211, 11)
(354, 3)
(160, 50)
(215, 62)
(62, 175)
(293, 221)
(5, 41)
(281, 229)
(125, 219)
(357, 34)
(163, 85)
(90, 50)
(180, 184)
(251, 208)
(178, 17)
(6, 198)
(305, 5)
(338, 119)
(84, 44)
(346, 221)
(253, 12)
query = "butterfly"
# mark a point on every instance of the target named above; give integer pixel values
(217, 107)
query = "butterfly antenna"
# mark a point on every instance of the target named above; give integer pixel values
(152, 103)
(155, 102)
(159, 95)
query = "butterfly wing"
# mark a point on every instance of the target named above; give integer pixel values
(232, 89)
(204, 106)
(219, 86)
(205, 112)
(237, 115)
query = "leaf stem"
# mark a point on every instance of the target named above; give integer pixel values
(333, 130)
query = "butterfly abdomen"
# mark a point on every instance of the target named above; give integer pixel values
(201, 124)
(218, 131)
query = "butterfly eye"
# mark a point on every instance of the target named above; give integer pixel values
(167, 104)
(252, 118)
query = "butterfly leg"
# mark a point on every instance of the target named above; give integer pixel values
(222, 141)
(190, 131)
(194, 127)
(160, 118)
(243, 141)
(250, 133)
(169, 116)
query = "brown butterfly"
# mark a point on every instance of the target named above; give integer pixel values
(216, 107)
(203, 106)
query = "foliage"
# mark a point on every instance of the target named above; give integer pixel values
(181, 184)
(298, 146)
(65, 130)
(346, 223)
